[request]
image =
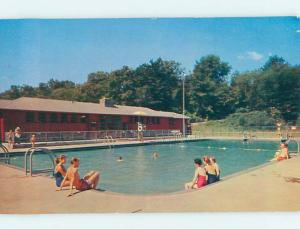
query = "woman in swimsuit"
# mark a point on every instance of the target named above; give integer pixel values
(89, 181)
(282, 153)
(60, 170)
(199, 179)
(211, 172)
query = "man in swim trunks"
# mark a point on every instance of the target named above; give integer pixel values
(89, 181)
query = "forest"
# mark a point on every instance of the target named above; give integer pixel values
(213, 91)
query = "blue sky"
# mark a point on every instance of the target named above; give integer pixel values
(33, 51)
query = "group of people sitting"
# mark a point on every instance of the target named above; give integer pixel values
(206, 172)
(282, 153)
(71, 177)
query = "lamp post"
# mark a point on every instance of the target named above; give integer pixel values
(183, 106)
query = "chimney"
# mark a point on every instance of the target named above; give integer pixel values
(106, 102)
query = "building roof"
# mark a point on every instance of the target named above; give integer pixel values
(54, 105)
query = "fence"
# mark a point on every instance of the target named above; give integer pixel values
(260, 132)
(93, 135)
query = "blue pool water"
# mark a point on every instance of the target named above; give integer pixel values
(140, 174)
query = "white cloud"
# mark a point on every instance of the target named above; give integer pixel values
(251, 55)
(254, 55)
(298, 31)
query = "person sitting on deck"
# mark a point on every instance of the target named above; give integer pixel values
(205, 158)
(217, 168)
(60, 171)
(200, 177)
(211, 172)
(282, 153)
(89, 181)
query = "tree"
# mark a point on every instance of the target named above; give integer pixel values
(95, 88)
(274, 62)
(211, 67)
(209, 93)
(242, 86)
(122, 86)
(280, 88)
(155, 84)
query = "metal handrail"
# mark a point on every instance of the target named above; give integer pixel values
(109, 140)
(297, 142)
(30, 152)
(6, 158)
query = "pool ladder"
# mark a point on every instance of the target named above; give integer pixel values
(5, 158)
(109, 140)
(29, 153)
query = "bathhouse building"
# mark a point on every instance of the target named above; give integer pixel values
(50, 115)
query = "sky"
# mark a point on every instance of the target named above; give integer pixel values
(34, 51)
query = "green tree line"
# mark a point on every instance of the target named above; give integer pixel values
(212, 90)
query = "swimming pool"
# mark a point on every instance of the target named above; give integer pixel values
(140, 174)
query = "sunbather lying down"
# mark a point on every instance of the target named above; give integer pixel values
(89, 181)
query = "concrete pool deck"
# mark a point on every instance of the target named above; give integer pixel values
(273, 187)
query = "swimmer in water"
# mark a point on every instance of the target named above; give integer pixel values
(155, 155)
(120, 159)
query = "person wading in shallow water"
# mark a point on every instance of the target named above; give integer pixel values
(89, 181)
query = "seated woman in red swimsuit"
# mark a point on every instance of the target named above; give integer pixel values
(200, 176)
(282, 154)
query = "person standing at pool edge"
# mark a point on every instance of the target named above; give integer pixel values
(18, 135)
(89, 181)
(33, 140)
(200, 177)
(11, 137)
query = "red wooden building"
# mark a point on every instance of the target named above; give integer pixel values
(44, 115)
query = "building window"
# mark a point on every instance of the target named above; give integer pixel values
(142, 120)
(29, 117)
(171, 121)
(102, 123)
(153, 120)
(157, 120)
(53, 117)
(148, 120)
(64, 117)
(1, 114)
(83, 119)
(93, 124)
(113, 122)
(42, 117)
(131, 119)
(74, 118)
(136, 119)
